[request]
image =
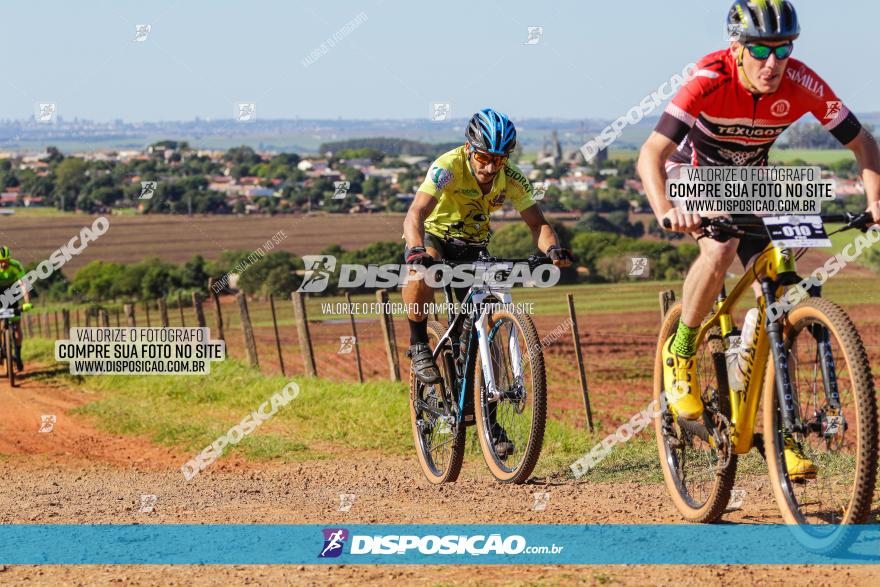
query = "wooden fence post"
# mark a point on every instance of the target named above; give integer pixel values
(387, 321)
(65, 321)
(197, 306)
(116, 313)
(56, 324)
(667, 298)
(147, 312)
(128, 309)
(88, 317)
(580, 360)
(105, 317)
(354, 335)
(39, 320)
(180, 307)
(302, 331)
(78, 321)
(29, 325)
(247, 330)
(163, 312)
(277, 338)
(217, 311)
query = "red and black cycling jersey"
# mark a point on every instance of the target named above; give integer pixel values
(716, 121)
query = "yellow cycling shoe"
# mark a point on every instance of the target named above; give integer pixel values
(798, 465)
(681, 384)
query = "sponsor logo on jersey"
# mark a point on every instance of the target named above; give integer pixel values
(780, 108)
(834, 108)
(749, 131)
(440, 176)
(517, 176)
(805, 79)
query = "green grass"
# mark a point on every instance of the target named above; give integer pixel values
(190, 412)
(325, 420)
(811, 156)
(589, 299)
(40, 212)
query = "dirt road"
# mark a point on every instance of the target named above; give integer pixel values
(78, 474)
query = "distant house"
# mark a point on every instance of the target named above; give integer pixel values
(390, 173)
(357, 163)
(849, 187)
(413, 160)
(258, 192)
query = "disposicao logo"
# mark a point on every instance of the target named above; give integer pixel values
(334, 540)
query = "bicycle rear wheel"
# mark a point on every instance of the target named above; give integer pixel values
(439, 437)
(518, 409)
(698, 474)
(841, 442)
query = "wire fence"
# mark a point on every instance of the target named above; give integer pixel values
(596, 363)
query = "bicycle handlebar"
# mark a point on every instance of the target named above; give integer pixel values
(732, 227)
(532, 260)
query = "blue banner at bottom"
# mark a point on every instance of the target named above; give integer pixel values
(521, 544)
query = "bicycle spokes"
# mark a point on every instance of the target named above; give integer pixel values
(821, 378)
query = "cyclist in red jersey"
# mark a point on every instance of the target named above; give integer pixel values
(731, 112)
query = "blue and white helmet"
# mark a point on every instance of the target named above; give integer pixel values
(492, 132)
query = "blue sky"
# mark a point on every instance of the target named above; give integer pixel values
(595, 59)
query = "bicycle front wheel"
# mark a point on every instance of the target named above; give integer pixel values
(439, 438)
(10, 361)
(511, 417)
(835, 405)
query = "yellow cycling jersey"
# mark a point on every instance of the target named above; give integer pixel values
(462, 211)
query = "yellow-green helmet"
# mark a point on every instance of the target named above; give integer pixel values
(5, 253)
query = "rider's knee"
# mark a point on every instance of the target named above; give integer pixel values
(417, 286)
(720, 255)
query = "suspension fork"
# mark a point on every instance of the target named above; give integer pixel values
(826, 357)
(780, 360)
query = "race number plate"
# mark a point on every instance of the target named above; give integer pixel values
(792, 232)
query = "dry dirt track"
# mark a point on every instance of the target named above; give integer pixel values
(77, 474)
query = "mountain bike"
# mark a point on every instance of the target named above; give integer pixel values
(9, 349)
(506, 397)
(811, 365)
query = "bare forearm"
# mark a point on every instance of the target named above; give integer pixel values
(868, 159)
(414, 230)
(544, 237)
(653, 174)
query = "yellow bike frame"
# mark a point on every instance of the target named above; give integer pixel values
(774, 263)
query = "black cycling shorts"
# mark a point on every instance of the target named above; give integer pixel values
(458, 252)
(450, 251)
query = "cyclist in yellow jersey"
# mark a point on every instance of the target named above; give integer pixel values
(11, 272)
(449, 219)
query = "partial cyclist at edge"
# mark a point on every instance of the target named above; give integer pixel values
(12, 272)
